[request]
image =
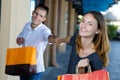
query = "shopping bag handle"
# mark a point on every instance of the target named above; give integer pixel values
(77, 69)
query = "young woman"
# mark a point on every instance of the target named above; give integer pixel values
(90, 45)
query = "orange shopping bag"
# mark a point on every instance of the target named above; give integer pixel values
(96, 75)
(21, 61)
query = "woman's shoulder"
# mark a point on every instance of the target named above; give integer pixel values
(94, 57)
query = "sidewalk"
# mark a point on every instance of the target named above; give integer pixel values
(51, 73)
(114, 56)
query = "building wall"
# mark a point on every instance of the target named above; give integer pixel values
(14, 14)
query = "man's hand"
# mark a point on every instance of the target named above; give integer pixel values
(20, 41)
(57, 40)
(53, 39)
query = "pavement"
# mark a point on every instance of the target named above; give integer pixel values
(113, 68)
(114, 56)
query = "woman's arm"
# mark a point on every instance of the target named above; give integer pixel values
(65, 39)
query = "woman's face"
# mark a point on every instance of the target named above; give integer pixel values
(88, 26)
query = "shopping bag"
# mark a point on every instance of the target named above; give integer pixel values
(20, 61)
(95, 75)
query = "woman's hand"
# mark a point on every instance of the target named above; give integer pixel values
(80, 68)
(83, 63)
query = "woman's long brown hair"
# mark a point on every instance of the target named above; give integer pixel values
(101, 40)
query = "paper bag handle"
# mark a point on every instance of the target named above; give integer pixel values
(77, 69)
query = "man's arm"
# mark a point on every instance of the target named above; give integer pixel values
(55, 39)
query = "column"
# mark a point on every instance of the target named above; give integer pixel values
(71, 19)
(14, 14)
(62, 25)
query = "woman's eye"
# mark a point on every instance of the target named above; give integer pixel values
(91, 24)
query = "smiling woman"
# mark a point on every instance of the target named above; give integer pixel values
(86, 44)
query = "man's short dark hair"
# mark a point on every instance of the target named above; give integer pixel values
(42, 7)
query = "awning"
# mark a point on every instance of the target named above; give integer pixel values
(97, 5)
(113, 13)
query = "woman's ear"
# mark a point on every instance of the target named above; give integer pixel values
(98, 31)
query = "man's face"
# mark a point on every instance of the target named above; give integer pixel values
(38, 16)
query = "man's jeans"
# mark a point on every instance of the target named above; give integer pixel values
(32, 77)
